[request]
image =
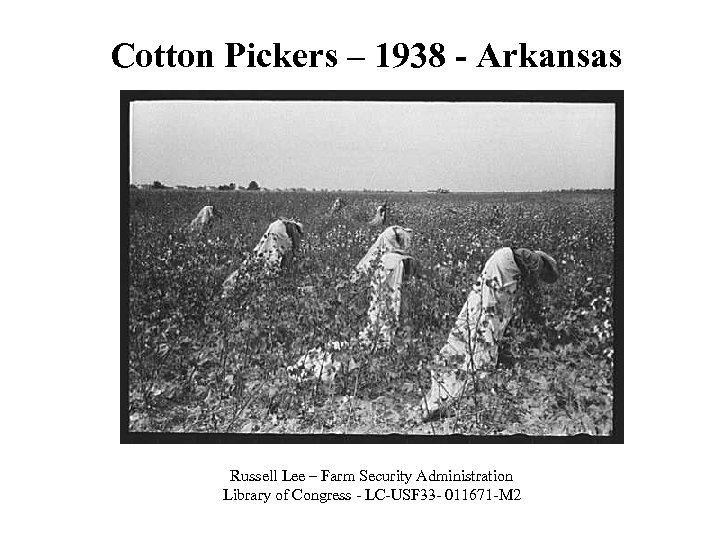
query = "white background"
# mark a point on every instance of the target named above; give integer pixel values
(65, 473)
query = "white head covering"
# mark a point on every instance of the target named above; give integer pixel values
(276, 242)
(394, 239)
(203, 219)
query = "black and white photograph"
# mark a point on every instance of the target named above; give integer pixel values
(394, 269)
(371, 266)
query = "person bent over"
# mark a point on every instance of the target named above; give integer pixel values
(205, 219)
(275, 249)
(474, 340)
(388, 263)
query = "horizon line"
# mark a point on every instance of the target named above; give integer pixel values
(363, 190)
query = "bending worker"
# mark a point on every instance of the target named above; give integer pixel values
(473, 341)
(276, 248)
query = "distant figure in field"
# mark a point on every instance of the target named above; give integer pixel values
(473, 341)
(276, 248)
(380, 215)
(389, 263)
(337, 206)
(204, 220)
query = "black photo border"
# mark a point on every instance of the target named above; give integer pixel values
(615, 97)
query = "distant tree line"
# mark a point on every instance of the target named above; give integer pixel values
(232, 186)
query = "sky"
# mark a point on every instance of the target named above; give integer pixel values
(374, 145)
